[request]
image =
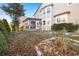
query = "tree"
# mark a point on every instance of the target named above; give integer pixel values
(14, 10)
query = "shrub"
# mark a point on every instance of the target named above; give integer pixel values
(2, 44)
(69, 27)
(4, 32)
(57, 27)
(3, 29)
(21, 28)
(6, 25)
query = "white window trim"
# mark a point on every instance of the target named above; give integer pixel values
(66, 20)
(69, 4)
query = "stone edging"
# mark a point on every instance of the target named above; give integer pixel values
(39, 53)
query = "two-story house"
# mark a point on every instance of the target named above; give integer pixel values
(45, 12)
(54, 13)
(48, 14)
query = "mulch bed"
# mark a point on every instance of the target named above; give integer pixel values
(57, 47)
(23, 44)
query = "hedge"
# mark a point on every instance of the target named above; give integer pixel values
(2, 44)
(69, 27)
(4, 33)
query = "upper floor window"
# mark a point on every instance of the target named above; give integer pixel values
(68, 4)
(44, 22)
(48, 10)
(43, 11)
(58, 19)
(61, 18)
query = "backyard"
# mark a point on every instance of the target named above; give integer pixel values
(23, 43)
(15, 40)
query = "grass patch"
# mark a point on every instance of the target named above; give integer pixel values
(73, 37)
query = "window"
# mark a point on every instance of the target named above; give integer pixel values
(58, 19)
(37, 24)
(48, 10)
(61, 18)
(68, 4)
(43, 22)
(44, 12)
(27, 27)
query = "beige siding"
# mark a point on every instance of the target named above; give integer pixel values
(73, 17)
(58, 8)
(47, 17)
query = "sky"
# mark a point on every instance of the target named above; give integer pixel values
(29, 7)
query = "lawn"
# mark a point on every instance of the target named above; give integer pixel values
(23, 43)
(74, 37)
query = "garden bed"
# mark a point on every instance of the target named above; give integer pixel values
(57, 47)
(23, 43)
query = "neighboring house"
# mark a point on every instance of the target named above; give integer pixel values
(54, 13)
(21, 19)
(32, 23)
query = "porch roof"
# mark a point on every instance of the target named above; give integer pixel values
(32, 19)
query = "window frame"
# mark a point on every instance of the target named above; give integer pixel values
(44, 22)
(62, 18)
(48, 10)
(69, 4)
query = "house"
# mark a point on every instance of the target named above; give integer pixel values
(48, 14)
(32, 23)
(45, 12)
(54, 13)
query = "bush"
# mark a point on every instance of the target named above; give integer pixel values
(4, 29)
(6, 25)
(2, 44)
(4, 32)
(69, 27)
(57, 27)
(21, 28)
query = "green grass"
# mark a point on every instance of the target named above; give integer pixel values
(73, 37)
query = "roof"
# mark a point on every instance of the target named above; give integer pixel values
(37, 9)
(31, 19)
(67, 12)
(43, 7)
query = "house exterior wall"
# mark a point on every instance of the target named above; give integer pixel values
(47, 17)
(28, 24)
(57, 8)
(73, 17)
(21, 19)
